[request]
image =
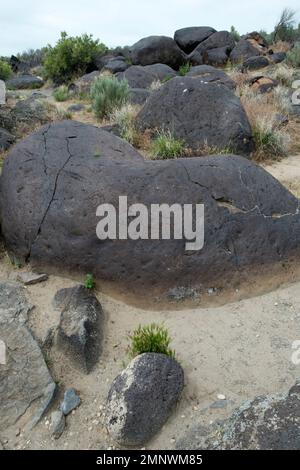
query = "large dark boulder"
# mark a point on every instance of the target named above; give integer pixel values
(142, 398)
(210, 74)
(24, 82)
(138, 96)
(217, 57)
(116, 65)
(79, 333)
(221, 39)
(157, 49)
(142, 77)
(54, 180)
(200, 113)
(243, 50)
(256, 63)
(189, 38)
(270, 422)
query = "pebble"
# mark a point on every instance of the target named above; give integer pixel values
(58, 424)
(221, 397)
(70, 402)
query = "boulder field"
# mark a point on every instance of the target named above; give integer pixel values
(54, 180)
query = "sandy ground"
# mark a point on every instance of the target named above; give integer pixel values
(240, 350)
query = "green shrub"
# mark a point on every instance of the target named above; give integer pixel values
(184, 69)
(89, 282)
(71, 57)
(5, 70)
(108, 94)
(61, 93)
(235, 34)
(166, 146)
(150, 339)
(293, 56)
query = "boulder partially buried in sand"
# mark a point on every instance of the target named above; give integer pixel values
(54, 181)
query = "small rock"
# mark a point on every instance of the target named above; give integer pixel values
(219, 404)
(58, 424)
(30, 278)
(74, 108)
(221, 397)
(70, 402)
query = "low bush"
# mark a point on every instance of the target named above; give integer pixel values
(293, 56)
(125, 117)
(61, 93)
(150, 339)
(107, 95)
(166, 146)
(89, 282)
(71, 57)
(5, 70)
(184, 69)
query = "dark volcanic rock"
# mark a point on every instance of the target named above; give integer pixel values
(138, 96)
(256, 63)
(142, 398)
(251, 220)
(6, 139)
(189, 38)
(277, 57)
(217, 57)
(243, 50)
(187, 106)
(80, 329)
(116, 65)
(84, 83)
(210, 74)
(155, 50)
(266, 423)
(263, 84)
(24, 81)
(142, 77)
(221, 39)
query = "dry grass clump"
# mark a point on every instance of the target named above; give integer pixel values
(283, 74)
(125, 118)
(271, 138)
(280, 46)
(155, 85)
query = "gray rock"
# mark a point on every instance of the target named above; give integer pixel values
(57, 424)
(26, 386)
(263, 84)
(143, 77)
(79, 333)
(157, 50)
(256, 63)
(31, 111)
(70, 402)
(138, 96)
(243, 50)
(29, 278)
(217, 57)
(116, 65)
(75, 108)
(269, 422)
(189, 38)
(187, 106)
(220, 39)
(6, 139)
(210, 74)
(24, 82)
(277, 57)
(142, 398)
(2, 92)
(84, 83)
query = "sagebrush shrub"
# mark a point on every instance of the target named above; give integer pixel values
(61, 93)
(5, 70)
(293, 56)
(108, 94)
(71, 57)
(166, 146)
(150, 339)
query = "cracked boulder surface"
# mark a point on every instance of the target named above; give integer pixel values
(26, 386)
(270, 422)
(52, 185)
(199, 112)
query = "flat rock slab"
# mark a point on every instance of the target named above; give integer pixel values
(26, 386)
(269, 422)
(29, 278)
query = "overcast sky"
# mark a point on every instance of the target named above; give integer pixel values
(32, 24)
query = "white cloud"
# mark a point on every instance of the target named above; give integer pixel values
(33, 24)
